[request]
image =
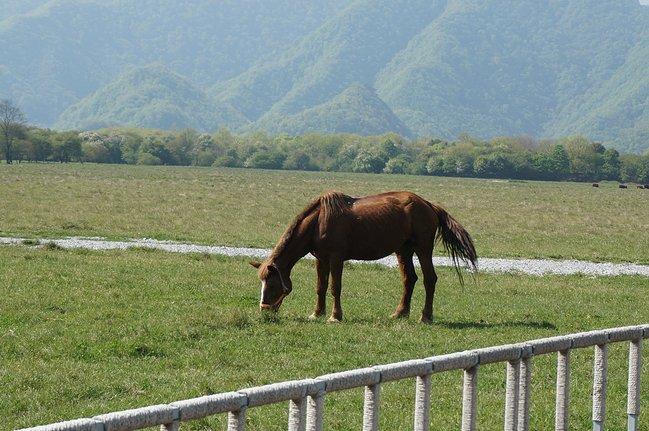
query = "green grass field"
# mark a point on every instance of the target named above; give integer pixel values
(85, 333)
(252, 208)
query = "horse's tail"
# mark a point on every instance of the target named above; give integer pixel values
(456, 240)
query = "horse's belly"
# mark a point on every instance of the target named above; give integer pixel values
(371, 255)
(375, 247)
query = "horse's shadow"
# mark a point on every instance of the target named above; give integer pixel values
(464, 324)
(461, 324)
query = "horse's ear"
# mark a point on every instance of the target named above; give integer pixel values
(255, 263)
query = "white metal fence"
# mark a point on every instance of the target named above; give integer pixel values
(306, 397)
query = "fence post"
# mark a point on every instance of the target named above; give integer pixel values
(524, 390)
(315, 412)
(470, 398)
(600, 367)
(297, 415)
(511, 395)
(237, 420)
(563, 390)
(635, 369)
(371, 407)
(422, 403)
(172, 426)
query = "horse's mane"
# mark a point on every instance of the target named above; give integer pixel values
(330, 205)
(333, 204)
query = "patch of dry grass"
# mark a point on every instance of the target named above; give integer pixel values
(252, 207)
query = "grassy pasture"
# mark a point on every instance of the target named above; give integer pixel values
(251, 208)
(84, 333)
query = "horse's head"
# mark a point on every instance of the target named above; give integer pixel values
(275, 285)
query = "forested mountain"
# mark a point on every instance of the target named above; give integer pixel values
(488, 69)
(66, 49)
(430, 68)
(151, 96)
(356, 110)
(352, 47)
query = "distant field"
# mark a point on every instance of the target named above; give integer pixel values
(252, 208)
(84, 333)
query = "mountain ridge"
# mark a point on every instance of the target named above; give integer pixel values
(357, 109)
(441, 67)
(152, 97)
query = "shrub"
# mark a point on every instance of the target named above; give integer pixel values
(300, 161)
(396, 165)
(265, 160)
(148, 159)
(366, 161)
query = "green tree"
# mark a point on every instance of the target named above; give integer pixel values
(630, 167)
(367, 161)
(493, 165)
(397, 165)
(66, 147)
(610, 169)
(560, 162)
(298, 160)
(182, 146)
(265, 159)
(643, 170)
(39, 146)
(230, 159)
(583, 157)
(130, 147)
(155, 147)
(149, 159)
(387, 149)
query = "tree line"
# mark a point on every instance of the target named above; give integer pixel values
(572, 158)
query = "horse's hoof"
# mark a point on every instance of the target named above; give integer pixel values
(314, 316)
(399, 315)
(333, 320)
(426, 320)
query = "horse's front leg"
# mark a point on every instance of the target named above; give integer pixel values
(336, 266)
(322, 269)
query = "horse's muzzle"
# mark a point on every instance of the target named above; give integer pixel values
(273, 307)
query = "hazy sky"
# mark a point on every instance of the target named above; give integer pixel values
(644, 1)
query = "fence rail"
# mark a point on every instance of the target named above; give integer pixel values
(306, 398)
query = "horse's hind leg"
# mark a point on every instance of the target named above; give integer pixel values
(430, 279)
(336, 287)
(409, 278)
(322, 268)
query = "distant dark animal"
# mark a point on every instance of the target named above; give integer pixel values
(622, 186)
(336, 227)
(595, 185)
(646, 186)
(639, 186)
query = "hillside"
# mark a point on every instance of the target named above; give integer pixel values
(356, 110)
(150, 96)
(488, 70)
(544, 69)
(443, 67)
(352, 47)
(57, 54)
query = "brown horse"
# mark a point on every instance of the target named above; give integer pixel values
(335, 227)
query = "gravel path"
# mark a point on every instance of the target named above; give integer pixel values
(523, 266)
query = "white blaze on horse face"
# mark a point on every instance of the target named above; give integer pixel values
(263, 287)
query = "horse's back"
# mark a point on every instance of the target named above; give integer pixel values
(376, 226)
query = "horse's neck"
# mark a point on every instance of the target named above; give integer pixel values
(297, 247)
